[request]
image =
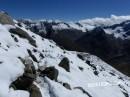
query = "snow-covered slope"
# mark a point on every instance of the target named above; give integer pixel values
(88, 76)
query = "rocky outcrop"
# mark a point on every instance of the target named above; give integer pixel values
(26, 81)
(23, 34)
(5, 18)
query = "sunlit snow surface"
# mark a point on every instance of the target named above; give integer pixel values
(102, 85)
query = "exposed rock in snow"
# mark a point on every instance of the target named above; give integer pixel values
(65, 64)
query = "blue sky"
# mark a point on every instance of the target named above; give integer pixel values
(68, 10)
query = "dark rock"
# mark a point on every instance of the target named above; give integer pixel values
(96, 72)
(19, 24)
(65, 64)
(41, 55)
(25, 81)
(1, 62)
(22, 83)
(50, 72)
(35, 50)
(33, 36)
(21, 33)
(15, 39)
(81, 68)
(32, 56)
(64, 51)
(125, 94)
(34, 91)
(88, 62)
(67, 86)
(93, 67)
(112, 74)
(8, 46)
(123, 91)
(80, 56)
(84, 91)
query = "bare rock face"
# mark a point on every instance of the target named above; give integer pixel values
(6, 19)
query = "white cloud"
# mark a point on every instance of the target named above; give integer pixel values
(105, 21)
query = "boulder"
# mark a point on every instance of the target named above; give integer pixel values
(67, 86)
(35, 91)
(81, 68)
(22, 83)
(50, 72)
(6, 19)
(65, 64)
